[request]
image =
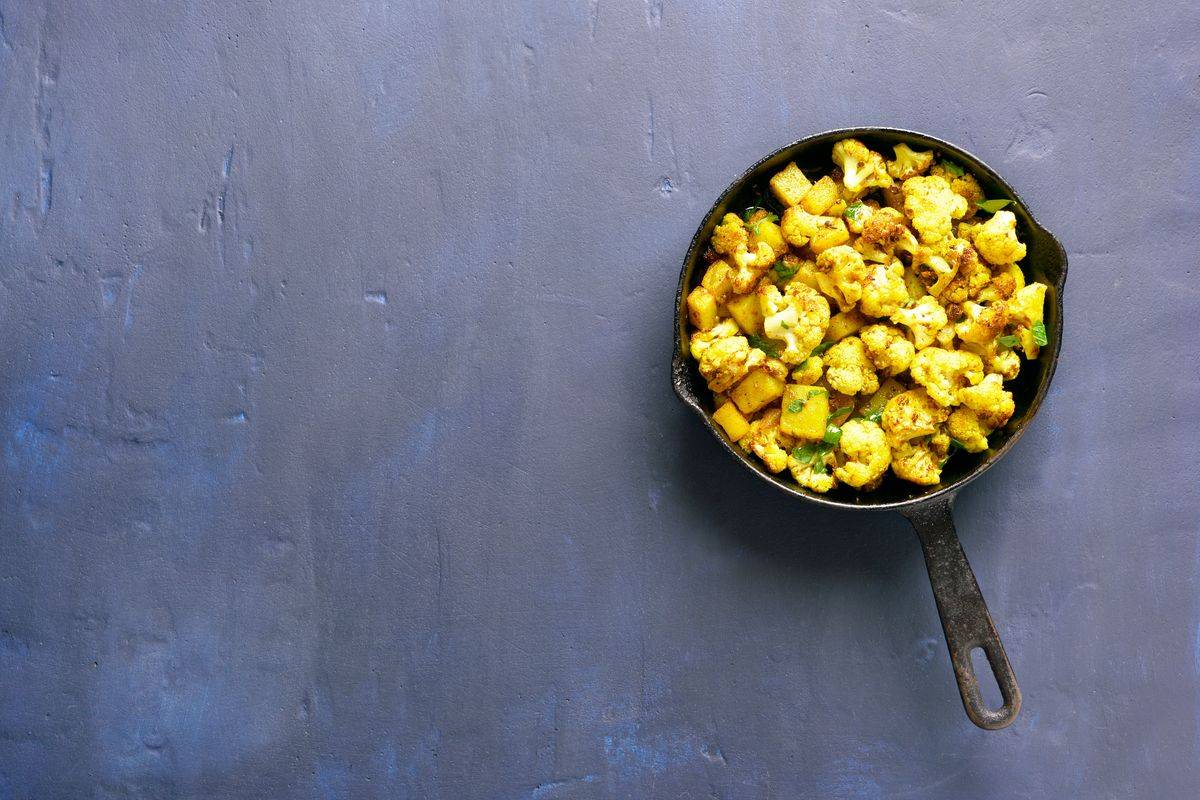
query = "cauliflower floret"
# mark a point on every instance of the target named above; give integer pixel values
(808, 371)
(944, 372)
(996, 358)
(731, 235)
(726, 361)
(888, 348)
(798, 318)
(917, 462)
(970, 276)
(934, 272)
(751, 266)
(848, 369)
(766, 441)
(996, 240)
(908, 162)
(911, 414)
(811, 469)
(982, 324)
(1026, 304)
(702, 339)
(884, 233)
(964, 184)
(989, 400)
(924, 320)
(883, 290)
(861, 168)
(932, 204)
(965, 426)
(840, 274)
(858, 213)
(867, 453)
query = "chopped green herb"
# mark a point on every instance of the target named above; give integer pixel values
(1008, 341)
(853, 211)
(766, 345)
(783, 270)
(768, 218)
(805, 454)
(821, 348)
(992, 206)
(956, 444)
(875, 416)
(952, 168)
(833, 434)
(1039, 334)
(797, 405)
(749, 212)
(837, 412)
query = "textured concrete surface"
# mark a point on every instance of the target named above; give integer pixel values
(339, 455)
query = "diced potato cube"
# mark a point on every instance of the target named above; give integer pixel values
(886, 391)
(702, 308)
(843, 324)
(764, 230)
(756, 390)
(837, 209)
(789, 185)
(830, 235)
(805, 412)
(820, 196)
(729, 418)
(718, 279)
(746, 312)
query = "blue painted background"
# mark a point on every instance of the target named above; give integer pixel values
(339, 455)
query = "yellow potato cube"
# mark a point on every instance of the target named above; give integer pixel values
(879, 400)
(745, 310)
(764, 230)
(718, 279)
(843, 324)
(756, 390)
(820, 196)
(702, 308)
(829, 235)
(729, 418)
(789, 185)
(805, 412)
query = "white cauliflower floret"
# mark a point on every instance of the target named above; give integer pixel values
(702, 339)
(963, 184)
(911, 414)
(862, 168)
(867, 453)
(887, 347)
(808, 371)
(1004, 361)
(931, 204)
(766, 441)
(731, 235)
(751, 266)
(989, 400)
(965, 426)
(982, 324)
(924, 320)
(840, 274)
(726, 361)
(996, 240)
(798, 227)
(917, 462)
(797, 317)
(883, 291)
(848, 369)
(908, 162)
(812, 469)
(944, 372)
(1026, 304)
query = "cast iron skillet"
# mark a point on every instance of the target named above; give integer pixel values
(965, 618)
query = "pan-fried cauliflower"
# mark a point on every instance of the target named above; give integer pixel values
(797, 317)
(866, 452)
(888, 348)
(933, 316)
(996, 239)
(944, 372)
(848, 369)
(931, 205)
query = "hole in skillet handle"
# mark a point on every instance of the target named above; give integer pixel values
(966, 622)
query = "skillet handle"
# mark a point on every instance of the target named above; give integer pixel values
(965, 618)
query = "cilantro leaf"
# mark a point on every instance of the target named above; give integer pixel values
(1008, 341)
(837, 412)
(749, 212)
(992, 206)
(956, 444)
(821, 348)
(797, 405)
(833, 434)
(766, 345)
(805, 454)
(783, 270)
(1039, 334)
(852, 211)
(952, 168)
(875, 416)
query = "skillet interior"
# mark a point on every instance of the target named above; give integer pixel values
(1045, 261)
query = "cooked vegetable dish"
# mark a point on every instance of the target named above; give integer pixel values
(869, 325)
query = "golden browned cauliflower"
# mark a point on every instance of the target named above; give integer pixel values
(866, 452)
(702, 339)
(862, 168)
(751, 266)
(887, 347)
(819, 232)
(726, 361)
(840, 274)
(884, 234)
(965, 426)
(981, 324)
(798, 318)
(996, 239)
(848, 369)
(883, 290)
(908, 162)
(990, 400)
(808, 371)
(970, 276)
(917, 462)
(730, 235)
(923, 320)
(812, 471)
(962, 183)
(931, 205)
(911, 414)
(944, 372)
(766, 441)
(1026, 304)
